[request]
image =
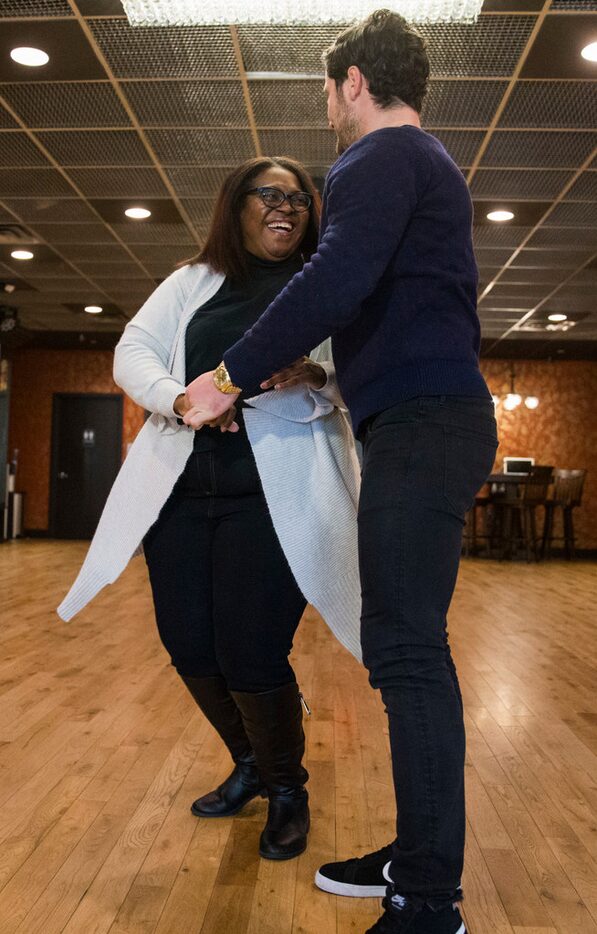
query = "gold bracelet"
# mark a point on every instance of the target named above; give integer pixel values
(223, 382)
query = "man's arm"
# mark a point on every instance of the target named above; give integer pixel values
(369, 204)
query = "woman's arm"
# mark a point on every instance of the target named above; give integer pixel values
(142, 355)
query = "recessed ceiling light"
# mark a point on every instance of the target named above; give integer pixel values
(22, 254)
(138, 214)
(31, 57)
(499, 216)
(557, 317)
(93, 309)
(590, 52)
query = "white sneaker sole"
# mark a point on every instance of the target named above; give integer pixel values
(352, 891)
(461, 929)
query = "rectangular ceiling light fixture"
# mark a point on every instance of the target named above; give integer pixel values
(291, 12)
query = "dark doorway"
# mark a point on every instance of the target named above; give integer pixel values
(86, 456)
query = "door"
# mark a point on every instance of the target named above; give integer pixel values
(86, 456)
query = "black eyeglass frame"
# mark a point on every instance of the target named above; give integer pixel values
(285, 197)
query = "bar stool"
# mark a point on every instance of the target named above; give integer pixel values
(567, 495)
(516, 518)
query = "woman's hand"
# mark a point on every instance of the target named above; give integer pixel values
(303, 371)
(226, 421)
(181, 405)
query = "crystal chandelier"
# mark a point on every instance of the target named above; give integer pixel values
(290, 12)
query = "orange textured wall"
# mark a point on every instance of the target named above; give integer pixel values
(36, 375)
(562, 431)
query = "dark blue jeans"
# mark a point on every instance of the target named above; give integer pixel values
(225, 600)
(424, 461)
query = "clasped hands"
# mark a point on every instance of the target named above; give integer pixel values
(203, 404)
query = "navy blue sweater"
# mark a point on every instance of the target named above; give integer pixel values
(393, 281)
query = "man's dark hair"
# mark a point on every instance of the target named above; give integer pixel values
(223, 249)
(391, 55)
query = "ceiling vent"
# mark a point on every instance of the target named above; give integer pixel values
(12, 233)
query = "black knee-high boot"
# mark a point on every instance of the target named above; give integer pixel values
(244, 783)
(273, 723)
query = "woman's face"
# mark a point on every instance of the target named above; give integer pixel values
(273, 233)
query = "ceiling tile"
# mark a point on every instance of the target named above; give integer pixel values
(96, 147)
(168, 52)
(65, 104)
(519, 183)
(33, 183)
(188, 103)
(494, 236)
(573, 238)
(556, 50)
(491, 46)
(118, 182)
(54, 37)
(50, 209)
(290, 49)
(199, 210)
(573, 214)
(34, 8)
(197, 182)
(163, 211)
(154, 233)
(461, 103)
(191, 146)
(539, 149)
(558, 104)
(17, 150)
(288, 103)
(462, 145)
(584, 188)
(74, 233)
(307, 146)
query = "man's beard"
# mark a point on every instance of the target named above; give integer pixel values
(347, 130)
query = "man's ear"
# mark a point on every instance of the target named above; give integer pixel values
(355, 83)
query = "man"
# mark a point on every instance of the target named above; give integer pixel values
(394, 282)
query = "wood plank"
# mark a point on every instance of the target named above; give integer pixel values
(102, 751)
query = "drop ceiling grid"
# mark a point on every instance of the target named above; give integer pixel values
(191, 108)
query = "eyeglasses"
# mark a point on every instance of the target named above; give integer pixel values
(272, 198)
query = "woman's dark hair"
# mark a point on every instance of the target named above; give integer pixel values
(224, 250)
(391, 55)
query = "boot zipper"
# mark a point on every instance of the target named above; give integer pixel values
(305, 704)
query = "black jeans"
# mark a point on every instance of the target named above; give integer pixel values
(225, 599)
(424, 461)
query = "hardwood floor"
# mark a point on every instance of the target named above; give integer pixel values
(102, 751)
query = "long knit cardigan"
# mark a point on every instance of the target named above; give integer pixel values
(303, 448)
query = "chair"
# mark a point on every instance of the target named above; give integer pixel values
(567, 494)
(517, 517)
(471, 534)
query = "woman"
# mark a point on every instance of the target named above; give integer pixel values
(227, 603)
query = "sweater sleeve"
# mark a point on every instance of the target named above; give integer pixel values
(370, 200)
(142, 355)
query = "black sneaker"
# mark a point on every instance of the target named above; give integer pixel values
(360, 877)
(417, 919)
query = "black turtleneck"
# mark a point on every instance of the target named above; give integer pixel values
(222, 321)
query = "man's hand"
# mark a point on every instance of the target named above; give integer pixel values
(207, 403)
(304, 370)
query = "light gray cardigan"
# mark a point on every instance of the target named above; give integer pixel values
(301, 440)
